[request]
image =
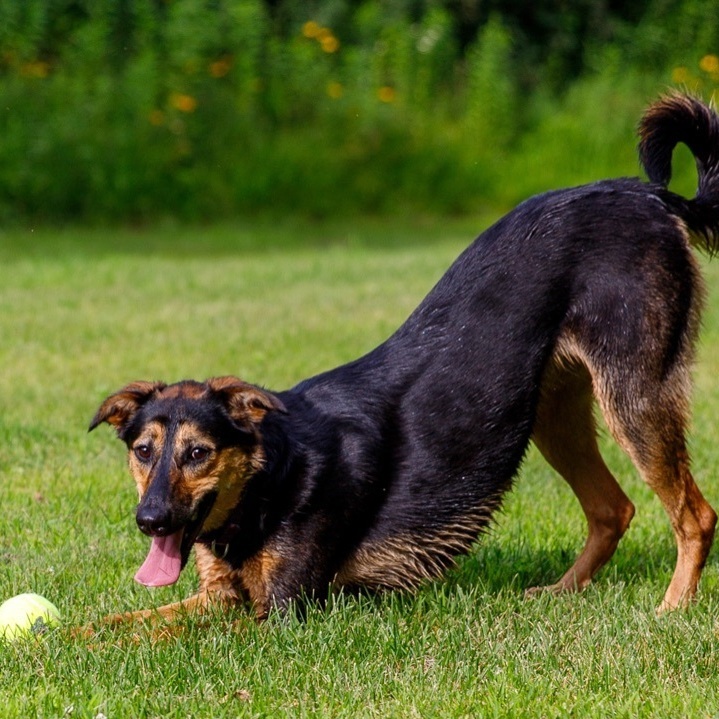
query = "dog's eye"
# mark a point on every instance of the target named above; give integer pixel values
(143, 452)
(199, 454)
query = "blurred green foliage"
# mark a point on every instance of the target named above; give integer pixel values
(137, 109)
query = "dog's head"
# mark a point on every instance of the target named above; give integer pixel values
(192, 447)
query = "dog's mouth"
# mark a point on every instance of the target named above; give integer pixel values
(168, 554)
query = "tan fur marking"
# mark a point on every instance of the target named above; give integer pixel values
(251, 582)
(118, 408)
(228, 477)
(257, 573)
(196, 605)
(191, 390)
(216, 575)
(188, 435)
(227, 382)
(246, 402)
(192, 482)
(565, 434)
(153, 435)
(406, 561)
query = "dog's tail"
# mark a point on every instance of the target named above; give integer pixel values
(683, 118)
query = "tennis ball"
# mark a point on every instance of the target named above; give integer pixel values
(27, 615)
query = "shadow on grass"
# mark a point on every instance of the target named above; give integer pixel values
(497, 567)
(492, 569)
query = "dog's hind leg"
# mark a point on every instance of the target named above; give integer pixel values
(565, 433)
(647, 413)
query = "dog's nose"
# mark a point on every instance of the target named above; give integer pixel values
(153, 521)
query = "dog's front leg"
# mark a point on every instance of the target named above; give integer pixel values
(196, 605)
(220, 589)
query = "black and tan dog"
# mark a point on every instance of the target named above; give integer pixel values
(380, 472)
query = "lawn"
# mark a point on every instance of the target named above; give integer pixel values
(84, 312)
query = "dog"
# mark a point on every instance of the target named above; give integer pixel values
(379, 473)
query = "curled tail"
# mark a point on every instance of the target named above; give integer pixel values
(682, 118)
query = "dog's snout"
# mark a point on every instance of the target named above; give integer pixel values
(154, 520)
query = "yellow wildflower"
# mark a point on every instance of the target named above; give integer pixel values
(330, 43)
(183, 103)
(311, 29)
(681, 75)
(324, 36)
(335, 90)
(156, 118)
(387, 94)
(36, 69)
(221, 67)
(710, 64)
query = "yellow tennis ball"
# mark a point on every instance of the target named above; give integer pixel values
(27, 615)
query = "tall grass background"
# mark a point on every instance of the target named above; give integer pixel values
(133, 111)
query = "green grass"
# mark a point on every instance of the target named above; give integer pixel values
(83, 312)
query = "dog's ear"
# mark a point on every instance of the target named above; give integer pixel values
(119, 408)
(245, 403)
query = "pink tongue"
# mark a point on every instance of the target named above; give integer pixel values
(163, 563)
